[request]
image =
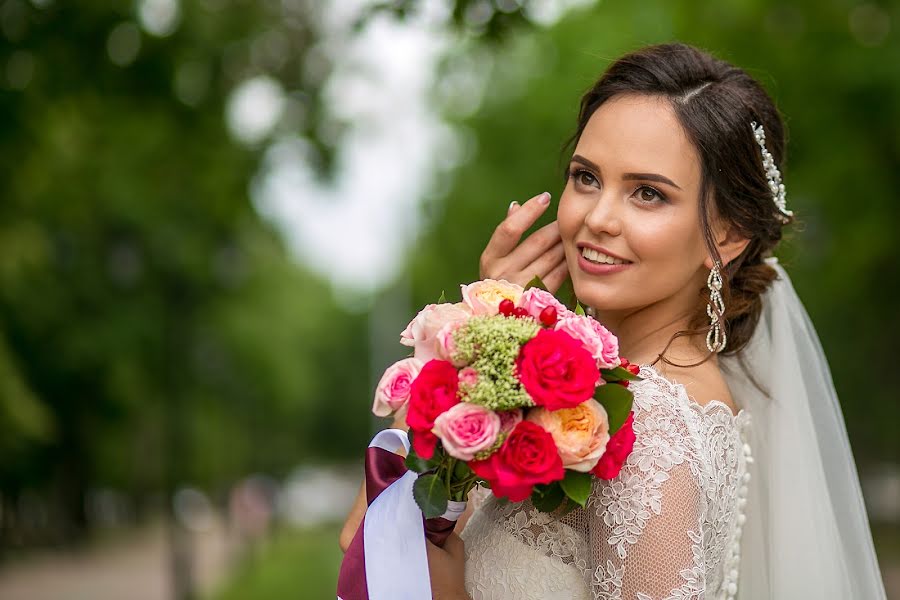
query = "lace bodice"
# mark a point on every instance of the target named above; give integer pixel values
(668, 526)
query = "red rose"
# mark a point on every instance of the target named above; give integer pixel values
(432, 392)
(556, 370)
(526, 458)
(618, 448)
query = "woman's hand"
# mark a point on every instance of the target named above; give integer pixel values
(447, 567)
(540, 254)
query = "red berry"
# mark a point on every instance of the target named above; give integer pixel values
(623, 362)
(548, 316)
(623, 382)
(634, 369)
(521, 312)
(507, 307)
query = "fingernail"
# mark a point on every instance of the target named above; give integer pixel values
(512, 206)
(544, 198)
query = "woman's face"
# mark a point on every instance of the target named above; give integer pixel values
(632, 198)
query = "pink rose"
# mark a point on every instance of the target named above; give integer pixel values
(466, 429)
(468, 377)
(446, 345)
(392, 392)
(535, 300)
(421, 333)
(509, 419)
(581, 433)
(597, 339)
(484, 297)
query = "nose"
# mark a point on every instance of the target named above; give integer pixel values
(606, 214)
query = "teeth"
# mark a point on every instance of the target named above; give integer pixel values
(598, 257)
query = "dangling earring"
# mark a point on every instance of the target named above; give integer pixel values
(715, 338)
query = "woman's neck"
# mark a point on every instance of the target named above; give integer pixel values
(643, 333)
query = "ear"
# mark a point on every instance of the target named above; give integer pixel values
(729, 242)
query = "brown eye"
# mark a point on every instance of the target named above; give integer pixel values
(582, 177)
(648, 194)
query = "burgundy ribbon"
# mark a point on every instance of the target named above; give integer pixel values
(382, 469)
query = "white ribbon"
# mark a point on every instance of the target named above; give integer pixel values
(394, 540)
(393, 536)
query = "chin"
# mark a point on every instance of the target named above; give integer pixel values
(599, 296)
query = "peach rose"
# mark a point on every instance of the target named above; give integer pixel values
(422, 331)
(580, 433)
(484, 297)
(392, 392)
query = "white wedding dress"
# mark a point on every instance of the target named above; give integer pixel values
(668, 526)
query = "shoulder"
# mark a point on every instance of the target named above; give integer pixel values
(703, 383)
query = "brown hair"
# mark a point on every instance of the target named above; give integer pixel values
(715, 102)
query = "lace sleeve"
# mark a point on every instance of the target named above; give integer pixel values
(644, 526)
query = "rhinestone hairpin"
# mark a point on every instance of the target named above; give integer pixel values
(773, 175)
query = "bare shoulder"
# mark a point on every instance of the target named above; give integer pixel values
(704, 383)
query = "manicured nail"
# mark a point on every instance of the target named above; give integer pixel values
(512, 206)
(544, 198)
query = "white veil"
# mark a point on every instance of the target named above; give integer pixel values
(807, 534)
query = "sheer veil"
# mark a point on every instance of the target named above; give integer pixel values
(806, 534)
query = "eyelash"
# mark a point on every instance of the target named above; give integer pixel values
(574, 173)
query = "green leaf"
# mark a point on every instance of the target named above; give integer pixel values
(617, 401)
(430, 495)
(547, 497)
(442, 299)
(461, 470)
(577, 486)
(618, 374)
(579, 310)
(566, 294)
(416, 463)
(536, 282)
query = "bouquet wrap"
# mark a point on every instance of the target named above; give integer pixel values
(385, 557)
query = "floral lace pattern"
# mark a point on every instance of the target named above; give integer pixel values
(668, 527)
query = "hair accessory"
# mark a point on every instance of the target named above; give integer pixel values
(773, 175)
(715, 309)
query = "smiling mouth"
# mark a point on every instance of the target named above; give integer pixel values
(599, 258)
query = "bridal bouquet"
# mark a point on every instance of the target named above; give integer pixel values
(511, 389)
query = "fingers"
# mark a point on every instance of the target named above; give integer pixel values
(557, 276)
(545, 263)
(510, 230)
(454, 546)
(518, 263)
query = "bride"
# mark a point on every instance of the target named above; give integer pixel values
(741, 483)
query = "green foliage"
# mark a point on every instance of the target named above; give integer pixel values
(547, 497)
(577, 486)
(430, 493)
(617, 400)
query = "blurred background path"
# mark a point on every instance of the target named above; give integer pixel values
(131, 566)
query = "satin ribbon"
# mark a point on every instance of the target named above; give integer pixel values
(386, 559)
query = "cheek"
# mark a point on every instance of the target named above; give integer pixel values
(664, 238)
(569, 216)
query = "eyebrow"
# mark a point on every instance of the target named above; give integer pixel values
(630, 176)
